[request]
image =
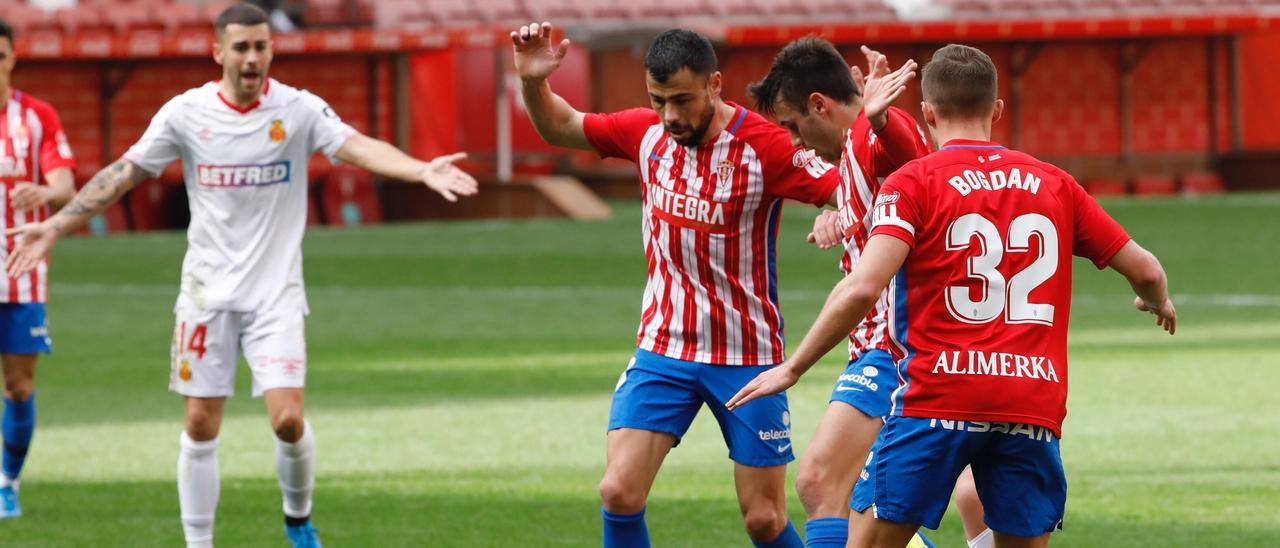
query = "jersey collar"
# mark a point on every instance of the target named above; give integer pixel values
(246, 109)
(971, 143)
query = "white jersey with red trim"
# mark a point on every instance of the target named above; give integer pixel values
(869, 155)
(32, 144)
(246, 177)
(710, 223)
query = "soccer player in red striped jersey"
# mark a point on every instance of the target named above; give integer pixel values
(812, 92)
(713, 177)
(36, 174)
(978, 240)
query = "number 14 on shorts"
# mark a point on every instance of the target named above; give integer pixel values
(188, 342)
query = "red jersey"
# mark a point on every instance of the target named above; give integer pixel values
(32, 144)
(867, 157)
(710, 225)
(982, 303)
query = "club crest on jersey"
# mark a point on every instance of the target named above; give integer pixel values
(184, 372)
(277, 132)
(210, 175)
(725, 170)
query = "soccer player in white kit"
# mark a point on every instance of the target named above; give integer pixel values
(244, 143)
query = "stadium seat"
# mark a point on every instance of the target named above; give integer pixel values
(82, 18)
(24, 18)
(126, 16)
(1154, 185)
(1105, 187)
(348, 197)
(555, 11)
(180, 15)
(1195, 184)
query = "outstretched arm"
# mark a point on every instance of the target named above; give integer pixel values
(34, 240)
(847, 305)
(384, 159)
(1149, 282)
(557, 122)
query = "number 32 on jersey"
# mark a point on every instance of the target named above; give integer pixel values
(1000, 297)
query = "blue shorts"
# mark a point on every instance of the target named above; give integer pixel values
(23, 329)
(867, 383)
(662, 394)
(914, 464)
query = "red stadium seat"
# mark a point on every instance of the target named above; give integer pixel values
(82, 18)
(348, 197)
(24, 18)
(1194, 184)
(125, 16)
(1105, 187)
(179, 15)
(555, 11)
(1154, 185)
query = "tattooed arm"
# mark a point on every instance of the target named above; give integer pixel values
(33, 241)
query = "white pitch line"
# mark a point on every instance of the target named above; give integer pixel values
(1243, 300)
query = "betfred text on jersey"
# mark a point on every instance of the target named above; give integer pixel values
(688, 211)
(995, 364)
(243, 175)
(997, 179)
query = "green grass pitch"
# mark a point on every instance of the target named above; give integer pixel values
(460, 376)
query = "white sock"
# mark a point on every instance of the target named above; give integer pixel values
(985, 539)
(296, 467)
(198, 488)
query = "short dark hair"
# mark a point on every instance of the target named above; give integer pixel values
(239, 14)
(676, 49)
(6, 31)
(804, 66)
(960, 81)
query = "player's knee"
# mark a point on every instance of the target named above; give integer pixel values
(620, 498)
(764, 522)
(288, 426)
(18, 388)
(809, 481)
(201, 424)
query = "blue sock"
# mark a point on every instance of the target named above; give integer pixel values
(625, 530)
(18, 425)
(789, 538)
(826, 533)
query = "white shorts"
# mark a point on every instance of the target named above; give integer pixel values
(207, 345)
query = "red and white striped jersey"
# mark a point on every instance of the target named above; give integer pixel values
(710, 224)
(868, 156)
(32, 144)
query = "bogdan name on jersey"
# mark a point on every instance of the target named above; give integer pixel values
(688, 211)
(1012, 429)
(996, 179)
(243, 175)
(995, 364)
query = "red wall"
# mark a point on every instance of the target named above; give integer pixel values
(1259, 83)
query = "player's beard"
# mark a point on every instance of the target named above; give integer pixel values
(697, 132)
